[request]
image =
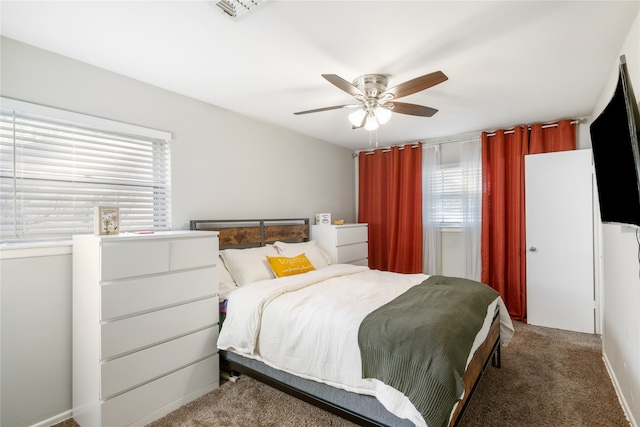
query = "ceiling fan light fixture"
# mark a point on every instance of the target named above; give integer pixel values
(382, 114)
(356, 117)
(371, 123)
(375, 101)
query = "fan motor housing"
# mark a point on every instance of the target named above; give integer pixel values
(371, 84)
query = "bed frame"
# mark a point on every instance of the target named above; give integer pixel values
(360, 409)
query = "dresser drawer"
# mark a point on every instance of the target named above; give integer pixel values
(126, 297)
(194, 252)
(122, 336)
(363, 262)
(137, 368)
(347, 235)
(157, 398)
(133, 258)
(352, 252)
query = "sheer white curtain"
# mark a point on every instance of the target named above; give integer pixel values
(431, 246)
(471, 166)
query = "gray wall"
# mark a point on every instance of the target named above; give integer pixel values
(224, 165)
(619, 269)
(36, 338)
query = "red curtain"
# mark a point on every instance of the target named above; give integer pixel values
(390, 201)
(503, 205)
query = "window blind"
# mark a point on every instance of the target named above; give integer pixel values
(449, 183)
(56, 166)
(448, 191)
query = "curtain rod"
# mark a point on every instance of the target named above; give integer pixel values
(550, 125)
(459, 138)
(384, 150)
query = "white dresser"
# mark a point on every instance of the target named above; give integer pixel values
(145, 325)
(347, 243)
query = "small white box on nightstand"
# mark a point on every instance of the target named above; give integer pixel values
(323, 219)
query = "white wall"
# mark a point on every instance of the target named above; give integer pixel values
(621, 269)
(224, 166)
(36, 337)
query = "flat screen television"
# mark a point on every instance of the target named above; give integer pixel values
(615, 141)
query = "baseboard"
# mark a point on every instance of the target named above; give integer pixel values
(55, 419)
(616, 386)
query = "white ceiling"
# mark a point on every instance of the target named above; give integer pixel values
(508, 62)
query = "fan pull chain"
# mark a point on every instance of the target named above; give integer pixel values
(370, 132)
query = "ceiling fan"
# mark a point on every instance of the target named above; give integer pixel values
(376, 102)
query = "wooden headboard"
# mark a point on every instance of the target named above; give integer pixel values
(255, 232)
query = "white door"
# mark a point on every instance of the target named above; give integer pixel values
(559, 209)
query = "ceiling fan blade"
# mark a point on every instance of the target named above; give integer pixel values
(341, 83)
(413, 109)
(417, 84)
(335, 107)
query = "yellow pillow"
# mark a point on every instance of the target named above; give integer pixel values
(285, 266)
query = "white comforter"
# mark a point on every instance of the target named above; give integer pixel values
(308, 324)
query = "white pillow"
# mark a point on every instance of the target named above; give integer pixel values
(314, 252)
(249, 265)
(226, 283)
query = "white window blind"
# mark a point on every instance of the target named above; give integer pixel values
(55, 166)
(448, 186)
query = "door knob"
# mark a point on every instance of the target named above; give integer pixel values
(532, 249)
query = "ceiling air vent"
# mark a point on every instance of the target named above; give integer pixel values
(237, 8)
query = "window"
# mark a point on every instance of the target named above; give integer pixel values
(56, 166)
(446, 182)
(449, 185)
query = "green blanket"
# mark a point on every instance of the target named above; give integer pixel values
(419, 342)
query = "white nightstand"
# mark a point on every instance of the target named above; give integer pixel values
(347, 243)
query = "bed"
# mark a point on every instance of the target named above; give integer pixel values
(347, 338)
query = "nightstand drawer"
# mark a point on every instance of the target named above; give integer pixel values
(126, 297)
(350, 253)
(347, 235)
(137, 368)
(138, 332)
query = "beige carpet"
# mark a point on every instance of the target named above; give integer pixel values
(548, 378)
